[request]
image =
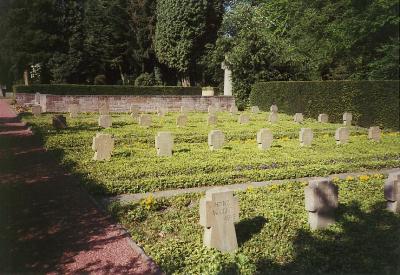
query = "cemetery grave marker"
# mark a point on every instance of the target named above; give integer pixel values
(392, 192)
(181, 120)
(185, 109)
(36, 110)
(59, 122)
(255, 109)
(374, 133)
(306, 136)
(233, 110)
(103, 145)
(244, 119)
(164, 144)
(73, 110)
(104, 108)
(145, 120)
(219, 210)
(162, 111)
(342, 135)
(273, 117)
(105, 121)
(216, 140)
(323, 118)
(347, 118)
(134, 110)
(273, 108)
(212, 109)
(212, 119)
(298, 118)
(264, 139)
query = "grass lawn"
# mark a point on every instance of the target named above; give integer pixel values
(135, 167)
(273, 234)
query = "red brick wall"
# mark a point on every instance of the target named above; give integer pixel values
(59, 104)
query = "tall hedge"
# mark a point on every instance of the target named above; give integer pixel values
(70, 89)
(371, 102)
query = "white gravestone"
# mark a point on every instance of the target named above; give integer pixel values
(104, 109)
(255, 109)
(374, 133)
(219, 210)
(105, 121)
(392, 192)
(73, 110)
(233, 110)
(342, 135)
(164, 144)
(181, 120)
(103, 145)
(321, 200)
(273, 108)
(145, 120)
(306, 136)
(216, 140)
(36, 110)
(227, 80)
(244, 119)
(207, 91)
(162, 111)
(134, 110)
(347, 118)
(212, 119)
(264, 139)
(273, 117)
(323, 118)
(298, 118)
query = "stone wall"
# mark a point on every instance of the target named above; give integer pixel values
(121, 103)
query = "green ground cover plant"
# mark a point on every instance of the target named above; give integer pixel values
(135, 167)
(273, 233)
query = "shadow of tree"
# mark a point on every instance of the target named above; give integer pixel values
(246, 228)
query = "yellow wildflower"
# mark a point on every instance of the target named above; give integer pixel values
(148, 202)
(250, 189)
(363, 177)
(335, 179)
(349, 178)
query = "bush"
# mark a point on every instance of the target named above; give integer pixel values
(71, 89)
(145, 79)
(100, 80)
(371, 102)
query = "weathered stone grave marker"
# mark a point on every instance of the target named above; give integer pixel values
(185, 109)
(273, 108)
(216, 140)
(73, 110)
(103, 145)
(321, 200)
(36, 110)
(135, 111)
(255, 109)
(374, 133)
(212, 109)
(244, 119)
(162, 111)
(233, 110)
(342, 135)
(105, 121)
(145, 120)
(306, 136)
(104, 108)
(273, 117)
(323, 118)
(212, 119)
(264, 139)
(181, 120)
(164, 144)
(347, 118)
(298, 118)
(59, 122)
(219, 210)
(392, 192)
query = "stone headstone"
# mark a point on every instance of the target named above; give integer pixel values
(164, 144)
(264, 139)
(321, 200)
(219, 210)
(342, 135)
(135, 111)
(145, 120)
(392, 192)
(233, 110)
(273, 117)
(323, 118)
(105, 121)
(216, 140)
(244, 119)
(273, 108)
(103, 145)
(73, 110)
(347, 118)
(104, 108)
(36, 110)
(212, 119)
(207, 91)
(298, 118)
(37, 98)
(59, 122)
(255, 109)
(181, 120)
(218, 107)
(162, 111)
(374, 133)
(212, 109)
(306, 136)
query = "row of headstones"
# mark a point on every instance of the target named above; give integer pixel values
(103, 144)
(219, 210)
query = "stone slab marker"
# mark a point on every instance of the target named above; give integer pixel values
(162, 111)
(298, 118)
(164, 144)
(185, 109)
(347, 118)
(342, 135)
(104, 109)
(59, 122)
(73, 110)
(216, 140)
(212, 119)
(134, 110)
(36, 110)
(273, 108)
(105, 121)
(374, 133)
(392, 192)
(264, 139)
(323, 118)
(145, 120)
(306, 136)
(255, 109)
(273, 117)
(244, 119)
(321, 200)
(103, 145)
(233, 110)
(219, 210)
(181, 120)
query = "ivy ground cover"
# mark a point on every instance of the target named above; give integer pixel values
(135, 167)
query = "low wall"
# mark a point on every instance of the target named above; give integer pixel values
(119, 103)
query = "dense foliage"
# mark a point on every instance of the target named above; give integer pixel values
(371, 102)
(135, 167)
(273, 234)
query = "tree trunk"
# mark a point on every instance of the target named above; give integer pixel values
(185, 80)
(122, 74)
(26, 77)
